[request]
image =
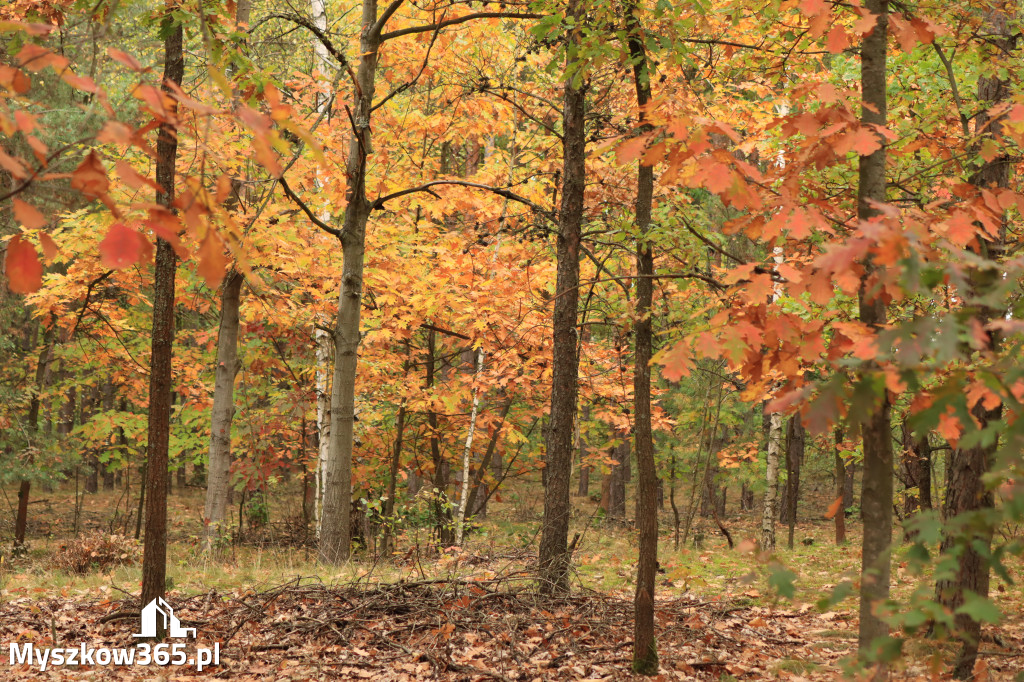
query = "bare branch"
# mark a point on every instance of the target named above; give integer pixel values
(458, 20)
(305, 209)
(500, 191)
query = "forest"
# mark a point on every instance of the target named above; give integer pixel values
(511, 340)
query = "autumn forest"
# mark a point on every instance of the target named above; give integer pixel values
(520, 340)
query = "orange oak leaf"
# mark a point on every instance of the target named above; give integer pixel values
(125, 58)
(676, 362)
(122, 247)
(833, 508)
(837, 40)
(22, 266)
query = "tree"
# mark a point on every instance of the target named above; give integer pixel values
(554, 553)
(645, 653)
(876, 496)
(154, 562)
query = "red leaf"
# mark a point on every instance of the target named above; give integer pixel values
(28, 215)
(121, 247)
(14, 79)
(24, 271)
(90, 178)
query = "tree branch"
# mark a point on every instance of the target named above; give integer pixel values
(305, 209)
(500, 191)
(458, 20)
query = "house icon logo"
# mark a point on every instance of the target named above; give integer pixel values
(158, 611)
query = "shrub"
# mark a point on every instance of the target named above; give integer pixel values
(97, 552)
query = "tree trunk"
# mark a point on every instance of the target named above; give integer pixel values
(21, 520)
(336, 531)
(318, 9)
(106, 472)
(154, 561)
(218, 477)
(876, 486)
(90, 400)
(771, 492)
(966, 491)
(795, 438)
(916, 472)
(467, 452)
(841, 469)
(645, 651)
(554, 557)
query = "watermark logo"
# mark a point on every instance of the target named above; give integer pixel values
(157, 615)
(156, 611)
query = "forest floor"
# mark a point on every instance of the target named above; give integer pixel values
(469, 614)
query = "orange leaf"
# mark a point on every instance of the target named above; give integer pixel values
(837, 40)
(813, 7)
(49, 246)
(833, 508)
(125, 58)
(90, 178)
(212, 262)
(631, 149)
(676, 362)
(121, 247)
(24, 271)
(36, 58)
(28, 215)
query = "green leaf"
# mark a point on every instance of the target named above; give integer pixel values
(979, 608)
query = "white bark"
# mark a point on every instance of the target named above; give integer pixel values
(460, 526)
(771, 493)
(323, 339)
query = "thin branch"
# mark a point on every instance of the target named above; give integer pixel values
(953, 88)
(408, 84)
(500, 191)
(322, 37)
(458, 20)
(305, 209)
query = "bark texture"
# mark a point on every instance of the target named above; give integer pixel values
(154, 561)
(218, 474)
(966, 492)
(645, 651)
(336, 522)
(876, 487)
(554, 555)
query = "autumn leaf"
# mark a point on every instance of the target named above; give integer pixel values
(124, 58)
(631, 149)
(676, 362)
(90, 178)
(28, 215)
(22, 266)
(122, 247)
(813, 8)
(834, 508)
(49, 246)
(837, 40)
(212, 262)
(36, 58)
